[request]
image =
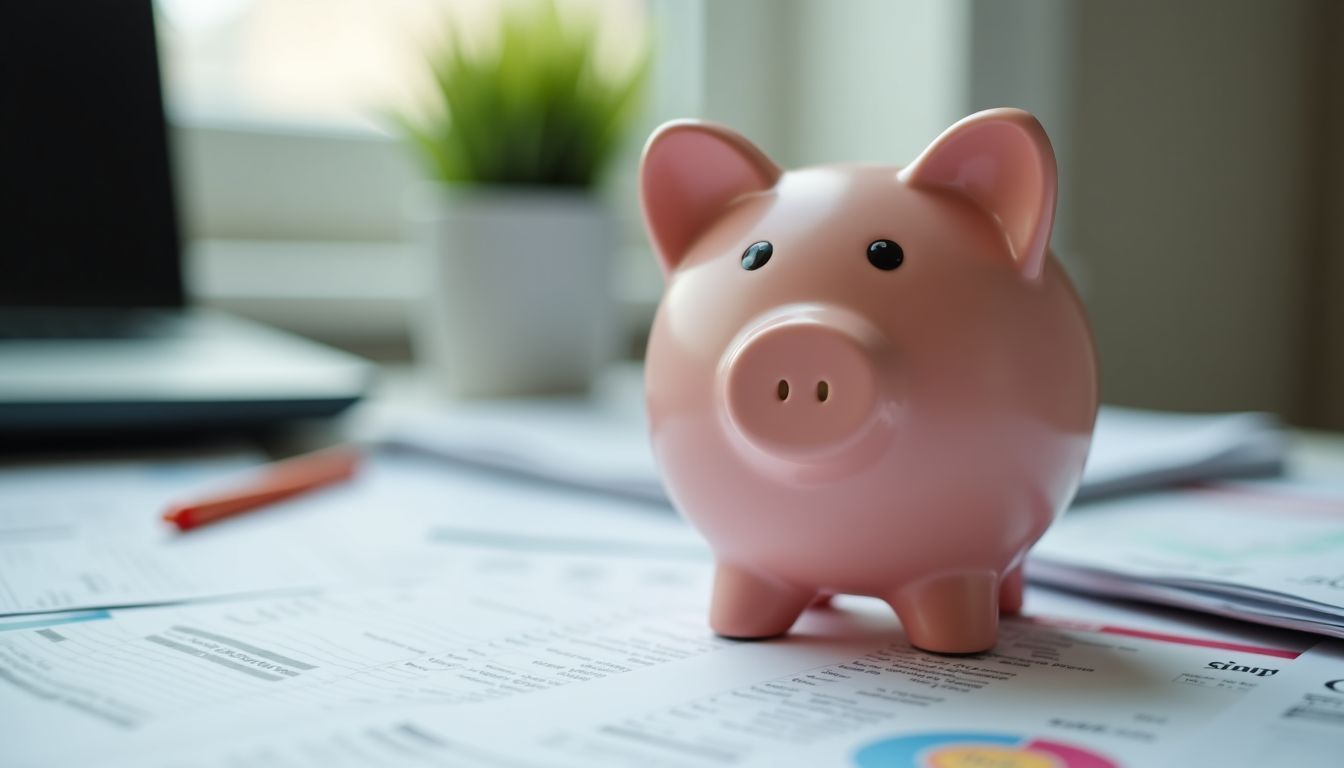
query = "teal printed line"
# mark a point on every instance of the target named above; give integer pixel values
(54, 620)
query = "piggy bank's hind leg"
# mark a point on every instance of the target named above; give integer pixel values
(1010, 592)
(951, 613)
(750, 606)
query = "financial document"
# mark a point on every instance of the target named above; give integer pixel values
(494, 626)
(517, 658)
(1065, 692)
(1264, 553)
(428, 613)
(92, 537)
(601, 443)
(1298, 721)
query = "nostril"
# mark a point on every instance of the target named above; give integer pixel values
(823, 391)
(782, 390)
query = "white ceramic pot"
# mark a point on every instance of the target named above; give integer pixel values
(518, 290)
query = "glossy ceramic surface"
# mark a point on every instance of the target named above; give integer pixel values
(897, 402)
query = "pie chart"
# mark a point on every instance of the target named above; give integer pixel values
(975, 749)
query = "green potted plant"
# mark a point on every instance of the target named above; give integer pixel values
(518, 241)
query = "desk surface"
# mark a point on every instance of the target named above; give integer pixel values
(520, 657)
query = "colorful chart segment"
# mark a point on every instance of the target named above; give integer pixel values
(953, 749)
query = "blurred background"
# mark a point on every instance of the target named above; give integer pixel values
(1200, 146)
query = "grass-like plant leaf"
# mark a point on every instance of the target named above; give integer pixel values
(533, 109)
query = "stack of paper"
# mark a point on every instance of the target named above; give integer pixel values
(1135, 450)
(90, 536)
(1297, 721)
(592, 445)
(522, 660)
(452, 617)
(601, 445)
(1265, 553)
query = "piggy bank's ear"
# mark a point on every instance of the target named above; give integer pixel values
(690, 173)
(1001, 160)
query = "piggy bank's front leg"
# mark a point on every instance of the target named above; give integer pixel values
(747, 605)
(950, 613)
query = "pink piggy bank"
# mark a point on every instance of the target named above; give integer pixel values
(866, 380)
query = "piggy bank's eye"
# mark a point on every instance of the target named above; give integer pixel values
(756, 255)
(885, 255)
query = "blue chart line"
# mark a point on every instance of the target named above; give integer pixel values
(52, 620)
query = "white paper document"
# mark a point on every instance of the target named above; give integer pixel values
(1134, 450)
(1298, 721)
(493, 626)
(1053, 692)
(92, 537)
(1249, 552)
(524, 659)
(602, 444)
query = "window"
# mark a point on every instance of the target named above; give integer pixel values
(287, 163)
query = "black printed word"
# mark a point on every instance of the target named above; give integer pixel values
(1232, 666)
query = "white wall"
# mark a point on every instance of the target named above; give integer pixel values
(1198, 143)
(1188, 144)
(746, 69)
(813, 82)
(289, 183)
(1325, 353)
(1022, 55)
(1193, 144)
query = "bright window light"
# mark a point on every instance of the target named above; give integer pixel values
(337, 63)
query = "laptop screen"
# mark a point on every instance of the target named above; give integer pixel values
(87, 218)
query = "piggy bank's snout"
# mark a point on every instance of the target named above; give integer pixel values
(805, 384)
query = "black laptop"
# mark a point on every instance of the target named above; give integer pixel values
(95, 333)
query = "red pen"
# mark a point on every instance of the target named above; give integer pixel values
(277, 481)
